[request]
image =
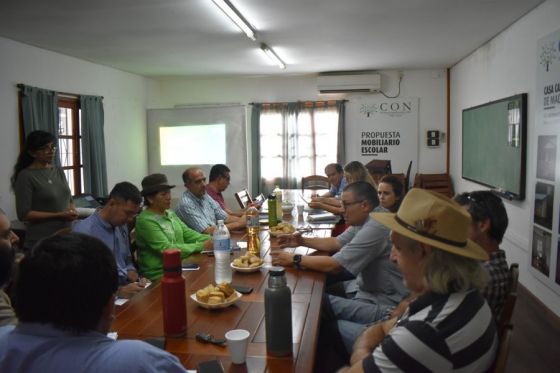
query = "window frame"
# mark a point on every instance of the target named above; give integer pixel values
(77, 165)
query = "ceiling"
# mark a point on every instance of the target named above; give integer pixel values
(193, 37)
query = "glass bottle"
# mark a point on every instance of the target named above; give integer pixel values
(253, 228)
(272, 217)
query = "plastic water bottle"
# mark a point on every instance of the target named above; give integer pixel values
(278, 193)
(278, 314)
(221, 239)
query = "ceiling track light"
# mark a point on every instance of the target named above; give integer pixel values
(272, 56)
(236, 17)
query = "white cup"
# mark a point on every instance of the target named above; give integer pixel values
(237, 340)
(300, 209)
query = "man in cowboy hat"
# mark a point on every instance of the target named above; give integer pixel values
(449, 326)
(198, 210)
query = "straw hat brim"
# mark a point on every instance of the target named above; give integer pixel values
(470, 250)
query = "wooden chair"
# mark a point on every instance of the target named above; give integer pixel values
(440, 183)
(314, 182)
(503, 350)
(407, 178)
(504, 320)
(243, 198)
(378, 167)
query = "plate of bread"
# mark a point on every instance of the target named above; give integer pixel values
(247, 263)
(282, 228)
(214, 297)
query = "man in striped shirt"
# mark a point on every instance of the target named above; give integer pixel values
(449, 327)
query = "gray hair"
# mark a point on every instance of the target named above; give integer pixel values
(445, 272)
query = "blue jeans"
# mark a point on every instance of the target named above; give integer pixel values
(354, 316)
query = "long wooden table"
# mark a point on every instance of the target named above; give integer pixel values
(141, 317)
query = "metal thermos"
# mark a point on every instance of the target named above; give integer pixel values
(173, 295)
(278, 314)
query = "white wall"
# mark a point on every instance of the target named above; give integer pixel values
(124, 105)
(505, 66)
(428, 85)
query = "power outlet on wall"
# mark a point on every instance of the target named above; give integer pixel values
(433, 138)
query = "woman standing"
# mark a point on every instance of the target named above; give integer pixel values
(43, 198)
(158, 229)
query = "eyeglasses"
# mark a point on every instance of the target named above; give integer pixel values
(347, 204)
(48, 147)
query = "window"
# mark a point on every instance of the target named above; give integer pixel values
(72, 118)
(69, 143)
(297, 140)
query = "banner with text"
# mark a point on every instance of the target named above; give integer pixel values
(383, 128)
(544, 262)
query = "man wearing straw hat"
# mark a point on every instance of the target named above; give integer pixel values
(449, 326)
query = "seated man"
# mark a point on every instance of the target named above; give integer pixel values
(362, 250)
(200, 212)
(7, 261)
(449, 327)
(335, 174)
(64, 299)
(110, 225)
(489, 224)
(219, 181)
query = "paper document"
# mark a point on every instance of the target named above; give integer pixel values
(325, 216)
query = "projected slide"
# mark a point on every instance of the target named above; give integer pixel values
(192, 144)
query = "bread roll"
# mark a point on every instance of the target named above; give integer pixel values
(226, 289)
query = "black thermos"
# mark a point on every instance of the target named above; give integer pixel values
(278, 313)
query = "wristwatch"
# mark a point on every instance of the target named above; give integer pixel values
(297, 261)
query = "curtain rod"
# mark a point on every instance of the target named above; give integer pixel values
(64, 94)
(273, 103)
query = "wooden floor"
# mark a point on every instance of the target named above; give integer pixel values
(535, 344)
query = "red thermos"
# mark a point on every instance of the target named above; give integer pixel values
(173, 295)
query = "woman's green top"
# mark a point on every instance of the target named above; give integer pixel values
(155, 233)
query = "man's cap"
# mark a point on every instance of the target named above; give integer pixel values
(435, 220)
(155, 183)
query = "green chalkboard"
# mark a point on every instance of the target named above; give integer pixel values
(494, 145)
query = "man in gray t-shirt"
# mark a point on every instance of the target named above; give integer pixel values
(362, 250)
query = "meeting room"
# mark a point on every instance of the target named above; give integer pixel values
(294, 186)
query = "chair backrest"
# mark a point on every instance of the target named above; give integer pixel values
(509, 303)
(440, 183)
(407, 178)
(314, 182)
(503, 350)
(243, 198)
(378, 167)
